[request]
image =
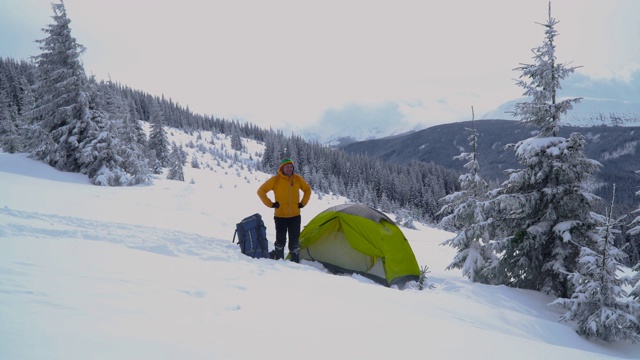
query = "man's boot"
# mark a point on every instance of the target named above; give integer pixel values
(273, 254)
(295, 256)
(277, 253)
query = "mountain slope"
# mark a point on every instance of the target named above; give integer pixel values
(616, 148)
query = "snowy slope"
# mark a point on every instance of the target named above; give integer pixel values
(149, 272)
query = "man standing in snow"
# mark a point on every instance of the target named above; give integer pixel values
(286, 187)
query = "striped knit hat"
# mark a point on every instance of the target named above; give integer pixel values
(284, 162)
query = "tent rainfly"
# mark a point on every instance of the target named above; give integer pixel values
(354, 238)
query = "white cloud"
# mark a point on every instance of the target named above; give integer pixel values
(284, 62)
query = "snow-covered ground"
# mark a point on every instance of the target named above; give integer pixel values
(150, 272)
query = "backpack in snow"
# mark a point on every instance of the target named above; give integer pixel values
(252, 237)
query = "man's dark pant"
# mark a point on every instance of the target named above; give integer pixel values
(288, 225)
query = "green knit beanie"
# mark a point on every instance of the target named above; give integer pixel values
(286, 161)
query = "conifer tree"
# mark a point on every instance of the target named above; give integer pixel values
(194, 162)
(9, 126)
(543, 210)
(99, 156)
(132, 141)
(464, 211)
(269, 156)
(158, 143)
(133, 155)
(600, 306)
(26, 100)
(404, 218)
(634, 225)
(236, 140)
(13, 102)
(183, 155)
(175, 164)
(136, 162)
(634, 233)
(61, 94)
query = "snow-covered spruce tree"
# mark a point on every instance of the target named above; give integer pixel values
(194, 162)
(61, 95)
(175, 164)
(634, 232)
(599, 305)
(135, 162)
(131, 144)
(543, 210)
(183, 155)
(271, 156)
(158, 144)
(236, 140)
(100, 153)
(634, 225)
(106, 168)
(9, 126)
(405, 218)
(464, 211)
(27, 103)
(26, 100)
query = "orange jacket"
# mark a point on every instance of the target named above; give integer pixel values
(287, 192)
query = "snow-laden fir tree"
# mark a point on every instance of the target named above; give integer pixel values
(405, 219)
(464, 211)
(27, 103)
(106, 166)
(100, 153)
(543, 210)
(271, 156)
(136, 162)
(194, 162)
(26, 99)
(634, 232)
(634, 225)
(9, 126)
(158, 145)
(61, 96)
(131, 142)
(183, 155)
(176, 171)
(599, 305)
(236, 140)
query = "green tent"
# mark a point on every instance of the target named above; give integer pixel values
(353, 238)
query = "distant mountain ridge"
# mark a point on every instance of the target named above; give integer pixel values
(617, 148)
(352, 124)
(588, 112)
(604, 101)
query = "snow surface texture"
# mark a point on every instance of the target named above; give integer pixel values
(149, 272)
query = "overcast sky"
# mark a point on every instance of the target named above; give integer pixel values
(295, 62)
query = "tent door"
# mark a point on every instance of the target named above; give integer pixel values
(378, 269)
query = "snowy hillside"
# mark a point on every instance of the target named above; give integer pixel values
(149, 272)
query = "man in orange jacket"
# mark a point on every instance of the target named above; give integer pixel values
(286, 186)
